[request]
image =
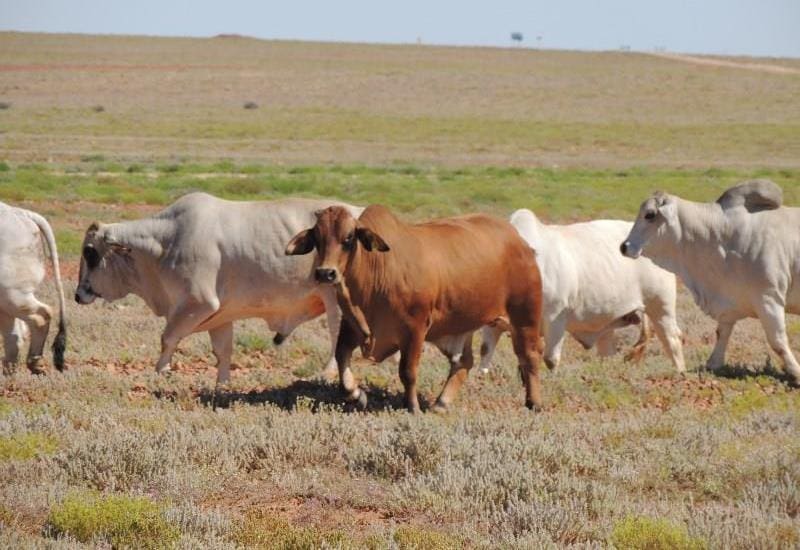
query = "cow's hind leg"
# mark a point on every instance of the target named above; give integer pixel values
(666, 328)
(11, 329)
(409, 363)
(182, 322)
(460, 364)
(773, 318)
(490, 335)
(37, 316)
(554, 341)
(717, 359)
(222, 344)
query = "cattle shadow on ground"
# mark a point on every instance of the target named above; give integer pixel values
(741, 371)
(304, 394)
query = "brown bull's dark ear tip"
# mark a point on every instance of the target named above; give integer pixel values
(302, 243)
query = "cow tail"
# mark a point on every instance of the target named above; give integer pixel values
(60, 342)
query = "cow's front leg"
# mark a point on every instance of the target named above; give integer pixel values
(334, 316)
(347, 341)
(409, 363)
(717, 359)
(773, 318)
(526, 347)
(460, 366)
(182, 322)
(222, 345)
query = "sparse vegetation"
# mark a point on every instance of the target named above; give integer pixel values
(634, 456)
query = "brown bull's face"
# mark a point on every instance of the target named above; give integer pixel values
(654, 213)
(336, 237)
(97, 277)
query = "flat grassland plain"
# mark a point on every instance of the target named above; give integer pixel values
(625, 455)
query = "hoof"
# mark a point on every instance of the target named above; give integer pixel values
(551, 364)
(35, 366)
(278, 339)
(794, 382)
(360, 402)
(484, 370)
(533, 406)
(440, 408)
(164, 372)
(9, 369)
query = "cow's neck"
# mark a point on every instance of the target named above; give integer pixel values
(147, 240)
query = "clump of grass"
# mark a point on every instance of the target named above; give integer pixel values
(249, 105)
(403, 453)
(409, 537)
(27, 446)
(4, 167)
(260, 529)
(642, 533)
(123, 521)
(249, 342)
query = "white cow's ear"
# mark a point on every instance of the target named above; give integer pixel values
(669, 210)
(119, 249)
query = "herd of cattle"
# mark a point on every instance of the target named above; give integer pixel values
(388, 286)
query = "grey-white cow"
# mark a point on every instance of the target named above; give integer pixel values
(204, 263)
(589, 290)
(21, 272)
(739, 257)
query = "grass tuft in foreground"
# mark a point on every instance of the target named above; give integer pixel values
(121, 520)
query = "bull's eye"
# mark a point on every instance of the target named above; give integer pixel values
(348, 241)
(650, 216)
(91, 256)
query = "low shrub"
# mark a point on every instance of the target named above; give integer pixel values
(642, 533)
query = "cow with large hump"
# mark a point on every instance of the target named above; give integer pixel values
(590, 290)
(739, 257)
(203, 263)
(22, 270)
(400, 285)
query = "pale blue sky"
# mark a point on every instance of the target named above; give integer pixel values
(750, 27)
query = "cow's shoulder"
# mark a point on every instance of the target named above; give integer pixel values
(755, 195)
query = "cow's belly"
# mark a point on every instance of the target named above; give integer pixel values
(281, 315)
(594, 318)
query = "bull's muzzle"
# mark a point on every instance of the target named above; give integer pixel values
(326, 275)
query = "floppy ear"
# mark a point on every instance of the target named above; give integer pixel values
(371, 240)
(302, 243)
(93, 228)
(116, 247)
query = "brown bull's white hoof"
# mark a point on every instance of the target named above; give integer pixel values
(358, 400)
(440, 407)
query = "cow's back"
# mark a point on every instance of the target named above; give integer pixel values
(464, 268)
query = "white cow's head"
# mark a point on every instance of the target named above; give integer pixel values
(655, 217)
(105, 267)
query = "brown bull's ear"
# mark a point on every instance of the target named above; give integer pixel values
(93, 228)
(371, 240)
(302, 243)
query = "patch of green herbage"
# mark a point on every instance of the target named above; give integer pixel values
(260, 529)
(642, 533)
(27, 446)
(415, 192)
(121, 520)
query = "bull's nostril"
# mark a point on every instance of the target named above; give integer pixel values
(324, 275)
(77, 298)
(623, 248)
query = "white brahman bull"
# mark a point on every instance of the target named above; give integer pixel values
(739, 257)
(204, 263)
(21, 272)
(589, 290)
